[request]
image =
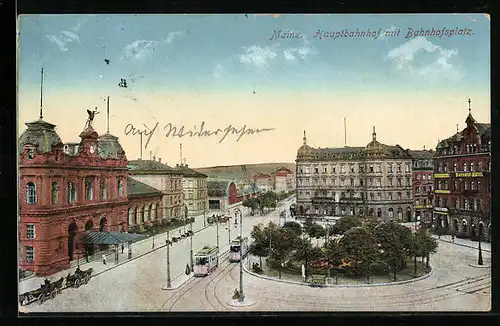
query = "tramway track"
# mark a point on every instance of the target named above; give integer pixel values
(180, 294)
(219, 277)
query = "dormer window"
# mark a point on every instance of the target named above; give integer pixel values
(31, 153)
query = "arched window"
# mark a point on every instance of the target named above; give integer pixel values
(455, 167)
(142, 214)
(137, 217)
(480, 166)
(89, 189)
(352, 210)
(120, 188)
(104, 194)
(370, 212)
(71, 192)
(471, 166)
(465, 167)
(31, 153)
(153, 212)
(30, 193)
(55, 193)
(466, 204)
(130, 217)
(464, 226)
(150, 213)
(379, 212)
(475, 204)
(400, 213)
(147, 212)
(391, 213)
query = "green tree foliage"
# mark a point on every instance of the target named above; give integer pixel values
(345, 223)
(294, 226)
(429, 245)
(260, 244)
(395, 241)
(417, 248)
(334, 253)
(360, 246)
(316, 231)
(305, 253)
(282, 243)
(252, 203)
(370, 223)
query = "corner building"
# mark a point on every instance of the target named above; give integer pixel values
(423, 185)
(462, 181)
(373, 180)
(65, 190)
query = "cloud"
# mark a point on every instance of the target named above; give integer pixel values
(437, 64)
(291, 54)
(257, 56)
(218, 71)
(139, 49)
(172, 35)
(65, 37)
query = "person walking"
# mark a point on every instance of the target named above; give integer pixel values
(123, 248)
(453, 238)
(104, 259)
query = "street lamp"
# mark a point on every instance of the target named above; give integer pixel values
(169, 284)
(229, 229)
(204, 220)
(242, 296)
(480, 258)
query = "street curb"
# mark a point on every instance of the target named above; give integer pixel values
(339, 285)
(479, 266)
(463, 245)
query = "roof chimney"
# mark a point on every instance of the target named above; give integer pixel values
(159, 159)
(154, 158)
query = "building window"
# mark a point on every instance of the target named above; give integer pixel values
(333, 169)
(325, 169)
(55, 193)
(390, 181)
(480, 166)
(379, 182)
(371, 168)
(104, 194)
(130, 216)
(417, 202)
(472, 186)
(30, 193)
(455, 166)
(465, 167)
(372, 196)
(30, 231)
(455, 186)
(439, 167)
(342, 169)
(417, 189)
(89, 190)
(389, 195)
(408, 194)
(399, 196)
(398, 168)
(30, 255)
(301, 171)
(379, 196)
(342, 182)
(31, 153)
(352, 210)
(352, 168)
(120, 188)
(352, 182)
(457, 204)
(466, 204)
(475, 205)
(471, 166)
(399, 182)
(407, 167)
(361, 182)
(71, 192)
(391, 213)
(478, 185)
(445, 167)
(408, 182)
(316, 170)
(389, 168)
(361, 168)
(465, 185)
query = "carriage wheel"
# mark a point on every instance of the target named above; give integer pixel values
(77, 283)
(53, 294)
(41, 299)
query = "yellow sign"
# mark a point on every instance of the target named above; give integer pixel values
(423, 206)
(441, 175)
(442, 213)
(441, 191)
(468, 174)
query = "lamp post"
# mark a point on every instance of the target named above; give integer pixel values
(153, 245)
(229, 229)
(242, 296)
(204, 220)
(191, 244)
(169, 283)
(480, 258)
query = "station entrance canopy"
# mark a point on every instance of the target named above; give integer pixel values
(111, 238)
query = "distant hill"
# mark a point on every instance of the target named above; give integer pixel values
(243, 172)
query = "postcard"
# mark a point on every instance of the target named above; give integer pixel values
(252, 162)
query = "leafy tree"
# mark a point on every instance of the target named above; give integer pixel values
(395, 241)
(294, 226)
(316, 231)
(282, 240)
(251, 203)
(429, 246)
(260, 245)
(370, 223)
(334, 254)
(346, 223)
(360, 247)
(306, 253)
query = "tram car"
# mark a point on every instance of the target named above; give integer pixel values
(234, 249)
(206, 260)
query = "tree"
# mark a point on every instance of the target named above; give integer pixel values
(360, 247)
(394, 241)
(283, 240)
(305, 253)
(251, 203)
(260, 245)
(334, 254)
(370, 223)
(346, 223)
(294, 226)
(429, 246)
(416, 249)
(316, 231)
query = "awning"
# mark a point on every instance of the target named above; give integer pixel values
(111, 238)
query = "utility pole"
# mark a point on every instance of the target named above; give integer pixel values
(218, 250)
(204, 220)
(192, 267)
(480, 259)
(169, 284)
(242, 296)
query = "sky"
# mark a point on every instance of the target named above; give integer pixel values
(282, 74)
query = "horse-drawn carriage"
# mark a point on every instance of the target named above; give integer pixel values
(48, 290)
(217, 219)
(80, 277)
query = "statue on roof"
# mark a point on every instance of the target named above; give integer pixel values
(90, 119)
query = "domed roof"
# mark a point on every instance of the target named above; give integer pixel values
(305, 151)
(40, 134)
(109, 147)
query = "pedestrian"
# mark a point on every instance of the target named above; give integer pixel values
(123, 248)
(104, 259)
(452, 238)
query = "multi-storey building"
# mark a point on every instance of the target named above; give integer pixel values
(423, 184)
(164, 178)
(194, 185)
(145, 203)
(284, 180)
(263, 181)
(462, 181)
(65, 191)
(373, 180)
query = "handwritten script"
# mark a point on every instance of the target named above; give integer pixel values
(182, 131)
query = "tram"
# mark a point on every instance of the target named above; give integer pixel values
(206, 260)
(234, 249)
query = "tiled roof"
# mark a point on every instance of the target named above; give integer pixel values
(187, 172)
(421, 154)
(136, 188)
